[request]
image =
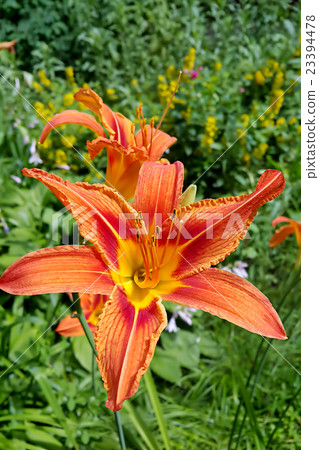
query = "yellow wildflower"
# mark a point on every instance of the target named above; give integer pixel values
(266, 72)
(68, 99)
(259, 78)
(292, 120)
(299, 130)
(189, 59)
(245, 119)
(276, 102)
(210, 132)
(260, 150)
(171, 72)
(37, 86)
(60, 158)
(51, 106)
(280, 121)
(110, 91)
(134, 83)
(47, 144)
(68, 141)
(69, 72)
(246, 158)
(43, 78)
(86, 86)
(249, 76)
(278, 81)
(217, 66)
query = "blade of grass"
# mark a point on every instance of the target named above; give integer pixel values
(140, 426)
(260, 445)
(49, 395)
(152, 392)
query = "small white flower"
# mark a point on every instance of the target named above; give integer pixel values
(16, 179)
(34, 158)
(17, 84)
(62, 166)
(171, 326)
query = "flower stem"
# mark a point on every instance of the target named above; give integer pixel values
(120, 430)
(79, 315)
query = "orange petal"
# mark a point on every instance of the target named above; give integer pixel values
(294, 223)
(125, 342)
(160, 142)
(279, 220)
(94, 148)
(212, 229)
(58, 269)
(7, 45)
(70, 327)
(229, 297)
(159, 189)
(102, 214)
(71, 117)
(118, 126)
(280, 235)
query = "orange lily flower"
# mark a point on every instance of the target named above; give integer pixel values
(126, 151)
(286, 230)
(92, 306)
(8, 45)
(139, 263)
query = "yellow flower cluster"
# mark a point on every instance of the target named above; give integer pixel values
(273, 65)
(60, 158)
(68, 141)
(165, 91)
(210, 132)
(68, 99)
(259, 78)
(245, 120)
(217, 66)
(69, 72)
(260, 150)
(278, 81)
(281, 121)
(276, 103)
(266, 72)
(111, 94)
(44, 112)
(43, 78)
(292, 121)
(189, 59)
(37, 86)
(249, 76)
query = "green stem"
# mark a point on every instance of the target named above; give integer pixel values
(79, 315)
(120, 430)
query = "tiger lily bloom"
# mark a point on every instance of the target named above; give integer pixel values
(92, 306)
(284, 231)
(139, 263)
(8, 46)
(126, 150)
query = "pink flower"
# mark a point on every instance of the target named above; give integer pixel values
(194, 73)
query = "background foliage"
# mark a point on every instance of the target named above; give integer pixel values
(238, 58)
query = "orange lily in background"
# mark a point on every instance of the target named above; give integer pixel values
(126, 151)
(8, 46)
(92, 306)
(286, 230)
(139, 263)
